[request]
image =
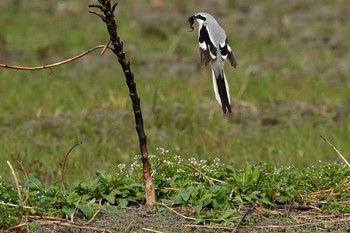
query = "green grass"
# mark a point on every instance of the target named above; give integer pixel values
(293, 74)
(217, 197)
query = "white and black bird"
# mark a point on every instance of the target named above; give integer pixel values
(214, 49)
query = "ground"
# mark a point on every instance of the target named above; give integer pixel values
(148, 220)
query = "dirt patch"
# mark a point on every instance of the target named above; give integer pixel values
(149, 220)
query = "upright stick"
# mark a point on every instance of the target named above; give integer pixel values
(117, 48)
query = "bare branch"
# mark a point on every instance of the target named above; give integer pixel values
(96, 6)
(117, 48)
(49, 66)
(114, 6)
(98, 14)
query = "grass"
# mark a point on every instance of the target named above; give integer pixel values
(293, 67)
(214, 192)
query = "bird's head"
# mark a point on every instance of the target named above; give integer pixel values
(200, 17)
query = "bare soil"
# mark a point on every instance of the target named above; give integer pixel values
(148, 220)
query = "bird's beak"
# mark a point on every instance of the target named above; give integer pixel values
(191, 21)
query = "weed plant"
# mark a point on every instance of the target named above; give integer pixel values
(212, 190)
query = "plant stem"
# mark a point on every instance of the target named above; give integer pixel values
(117, 48)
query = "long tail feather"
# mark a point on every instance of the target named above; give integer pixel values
(222, 91)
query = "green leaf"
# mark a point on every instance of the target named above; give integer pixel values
(34, 183)
(110, 209)
(185, 194)
(68, 211)
(87, 211)
(167, 202)
(111, 196)
(206, 200)
(238, 200)
(227, 214)
(198, 208)
(122, 202)
(178, 200)
(256, 175)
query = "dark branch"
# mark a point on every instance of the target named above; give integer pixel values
(117, 48)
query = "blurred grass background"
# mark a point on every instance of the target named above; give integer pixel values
(291, 86)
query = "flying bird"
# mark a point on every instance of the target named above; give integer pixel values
(214, 49)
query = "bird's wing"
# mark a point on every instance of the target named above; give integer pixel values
(226, 52)
(207, 48)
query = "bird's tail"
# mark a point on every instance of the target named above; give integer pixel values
(222, 91)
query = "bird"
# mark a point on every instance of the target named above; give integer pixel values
(214, 49)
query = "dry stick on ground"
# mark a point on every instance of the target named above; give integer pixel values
(117, 48)
(150, 230)
(242, 219)
(93, 218)
(171, 209)
(72, 225)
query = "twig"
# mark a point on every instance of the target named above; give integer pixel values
(26, 176)
(341, 156)
(270, 226)
(171, 209)
(15, 227)
(330, 190)
(17, 184)
(72, 225)
(128, 227)
(219, 181)
(298, 225)
(150, 230)
(105, 48)
(200, 172)
(93, 218)
(208, 226)
(49, 66)
(65, 160)
(14, 205)
(299, 207)
(22, 168)
(171, 189)
(242, 219)
(49, 218)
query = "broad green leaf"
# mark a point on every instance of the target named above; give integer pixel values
(111, 209)
(256, 175)
(122, 202)
(185, 194)
(34, 183)
(167, 202)
(111, 196)
(87, 211)
(198, 208)
(178, 200)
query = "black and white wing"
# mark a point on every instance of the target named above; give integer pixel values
(207, 48)
(226, 52)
